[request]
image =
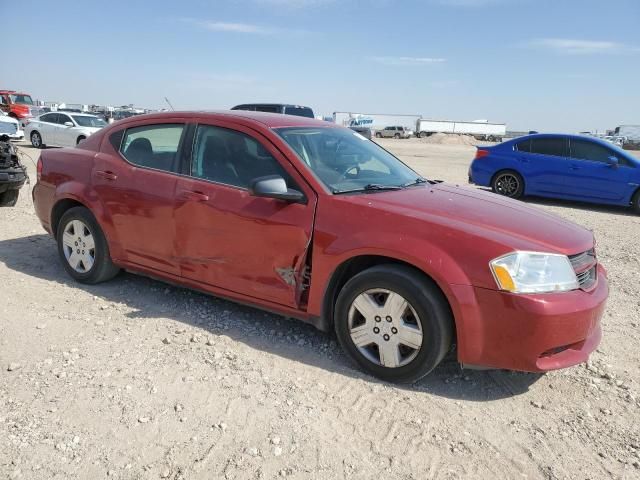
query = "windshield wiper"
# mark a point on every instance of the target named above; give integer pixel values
(371, 187)
(417, 181)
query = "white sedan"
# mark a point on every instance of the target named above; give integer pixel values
(62, 129)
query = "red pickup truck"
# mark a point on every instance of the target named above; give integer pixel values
(18, 105)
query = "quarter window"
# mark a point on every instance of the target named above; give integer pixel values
(230, 157)
(153, 146)
(524, 146)
(556, 147)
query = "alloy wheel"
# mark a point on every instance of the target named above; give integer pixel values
(385, 328)
(507, 184)
(36, 141)
(79, 246)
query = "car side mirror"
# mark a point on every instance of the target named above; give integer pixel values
(274, 186)
(612, 161)
(68, 124)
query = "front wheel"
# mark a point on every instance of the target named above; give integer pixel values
(80, 138)
(508, 183)
(83, 248)
(36, 140)
(9, 198)
(397, 135)
(378, 135)
(395, 323)
(635, 203)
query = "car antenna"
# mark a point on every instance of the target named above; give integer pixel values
(169, 103)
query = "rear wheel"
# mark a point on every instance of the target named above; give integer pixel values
(397, 135)
(36, 140)
(9, 198)
(83, 248)
(393, 322)
(424, 134)
(378, 135)
(508, 183)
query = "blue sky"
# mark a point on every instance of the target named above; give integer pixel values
(563, 65)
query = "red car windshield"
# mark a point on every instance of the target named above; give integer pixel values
(20, 98)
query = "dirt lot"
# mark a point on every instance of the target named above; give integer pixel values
(136, 379)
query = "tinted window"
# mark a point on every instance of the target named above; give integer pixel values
(524, 146)
(299, 111)
(63, 118)
(556, 147)
(153, 146)
(231, 157)
(49, 118)
(269, 108)
(585, 150)
(87, 121)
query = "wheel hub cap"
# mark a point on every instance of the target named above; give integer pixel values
(79, 246)
(385, 328)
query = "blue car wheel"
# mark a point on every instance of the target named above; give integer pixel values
(508, 183)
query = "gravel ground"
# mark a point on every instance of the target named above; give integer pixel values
(137, 379)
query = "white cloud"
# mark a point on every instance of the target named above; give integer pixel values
(570, 46)
(233, 27)
(407, 61)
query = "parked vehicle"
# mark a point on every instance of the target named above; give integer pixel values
(18, 105)
(375, 121)
(282, 108)
(304, 218)
(570, 167)
(631, 135)
(481, 129)
(62, 129)
(364, 131)
(394, 132)
(10, 127)
(13, 174)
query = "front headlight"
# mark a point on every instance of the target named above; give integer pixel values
(532, 272)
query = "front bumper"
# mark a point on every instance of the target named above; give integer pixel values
(533, 333)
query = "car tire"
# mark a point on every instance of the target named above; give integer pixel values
(36, 139)
(77, 231)
(508, 183)
(426, 321)
(397, 135)
(80, 138)
(635, 202)
(423, 135)
(378, 135)
(9, 198)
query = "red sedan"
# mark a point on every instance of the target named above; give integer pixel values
(313, 221)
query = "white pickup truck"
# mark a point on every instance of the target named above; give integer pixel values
(481, 129)
(10, 126)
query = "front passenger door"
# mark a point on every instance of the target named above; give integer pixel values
(227, 238)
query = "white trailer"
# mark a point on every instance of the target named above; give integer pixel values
(375, 121)
(630, 134)
(481, 129)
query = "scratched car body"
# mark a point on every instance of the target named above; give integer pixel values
(313, 221)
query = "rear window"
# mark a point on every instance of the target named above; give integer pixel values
(556, 147)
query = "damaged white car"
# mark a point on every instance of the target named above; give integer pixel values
(10, 126)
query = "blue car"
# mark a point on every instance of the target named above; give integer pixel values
(570, 167)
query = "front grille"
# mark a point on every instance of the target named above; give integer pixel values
(585, 265)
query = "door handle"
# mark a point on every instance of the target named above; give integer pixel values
(195, 196)
(106, 175)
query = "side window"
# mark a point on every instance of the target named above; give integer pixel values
(585, 150)
(556, 147)
(232, 158)
(153, 146)
(524, 146)
(62, 118)
(49, 118)
(269, 108)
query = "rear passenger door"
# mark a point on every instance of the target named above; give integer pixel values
(251, 246)
(135, 177)
(546, 161)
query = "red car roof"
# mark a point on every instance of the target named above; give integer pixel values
(270, 120)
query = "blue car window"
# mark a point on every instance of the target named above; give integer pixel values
(524, 146)
(586, 150)
(554, 146)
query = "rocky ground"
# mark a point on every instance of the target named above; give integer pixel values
(135, 379)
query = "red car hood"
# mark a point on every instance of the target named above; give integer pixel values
(506, 221)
